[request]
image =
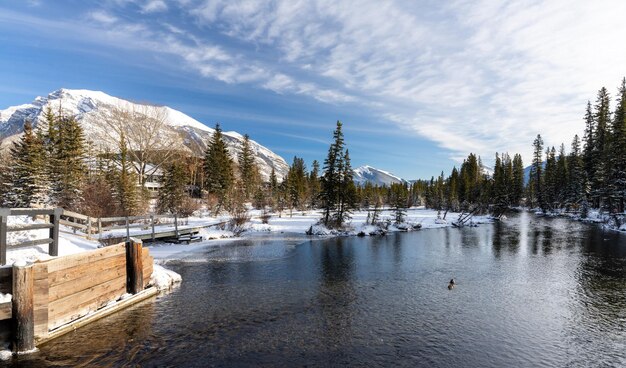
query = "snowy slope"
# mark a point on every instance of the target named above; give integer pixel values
(368, 174)
(87, 105)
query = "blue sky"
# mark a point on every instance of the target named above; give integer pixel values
(418, 84)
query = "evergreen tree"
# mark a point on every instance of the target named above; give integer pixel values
(314, 184)
(600, 152)
(172, 194)
(338, 191)
(589, 140)
(296, 182)
(399, 198)
(561, 177)
(218, 168)
(26, 174)
(617, 181)
(125, 182)
(517, 185)
(576, 176)
(248, 170)
(535, 185)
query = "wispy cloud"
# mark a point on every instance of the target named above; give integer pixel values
(479, 76)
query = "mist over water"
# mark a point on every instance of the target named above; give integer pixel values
(530, 292)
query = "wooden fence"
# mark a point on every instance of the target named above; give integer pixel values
(78, 222)
(50, 294)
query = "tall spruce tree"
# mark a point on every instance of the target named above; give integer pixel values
(576, 176)
(26, 172)
(218, 168)
(338, 190)
(248, 169)
(172, 194)
(517, 186)
(600, 152)
(536, 170)
(617, 180)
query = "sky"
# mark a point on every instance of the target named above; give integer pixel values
(417, 84)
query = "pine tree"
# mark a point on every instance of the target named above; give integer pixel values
(617, 181)
(26, 173)
(172, 194)
(576, 176)
(517, 186)
(338, 193)
(296, 182)
(536, 171)
(218, 168)
(314, 184)
(600, 152)
(125, 182)
(561, 177)
(589, 140)
(248, 169)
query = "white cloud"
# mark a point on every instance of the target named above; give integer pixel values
(154, 6)
(102, 17)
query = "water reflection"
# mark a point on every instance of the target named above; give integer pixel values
(531, 292)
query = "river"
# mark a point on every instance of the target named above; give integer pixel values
(531, 292)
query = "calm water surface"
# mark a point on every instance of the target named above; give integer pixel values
(531, 293)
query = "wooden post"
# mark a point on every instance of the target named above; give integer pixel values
(23, 308)
(134, 267)
(4, 214)
(127, 230)
(88, 227)
(99, 227)
(176, 225)
(55, 218)
(152, 223)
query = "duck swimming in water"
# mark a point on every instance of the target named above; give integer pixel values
(451, 284)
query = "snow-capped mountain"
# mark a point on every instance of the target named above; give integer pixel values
(90, 106)
(368, 174)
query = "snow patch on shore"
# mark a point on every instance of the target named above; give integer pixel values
(5, 298)
(164, 279)
(5, 355)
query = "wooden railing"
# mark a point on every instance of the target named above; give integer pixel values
(76, 221)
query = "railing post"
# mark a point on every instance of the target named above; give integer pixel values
(127, 230)
(88, 227)
(152, 223)
(55, 217)
(176, 225)
(23, 308)
(134, 267)
(4, 214)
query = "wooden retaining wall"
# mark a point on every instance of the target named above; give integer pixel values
(68, 288)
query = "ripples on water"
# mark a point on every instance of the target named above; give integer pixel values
(531, 292)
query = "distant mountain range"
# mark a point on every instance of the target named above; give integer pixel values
(86, 106)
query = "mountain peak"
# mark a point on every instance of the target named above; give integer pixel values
(86, 105)
(368, 174)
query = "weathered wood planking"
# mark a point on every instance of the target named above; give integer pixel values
(6, 280)
(5, 311)
(75, 260)
(67, 289)
(86, 272)
(42, 286)
(148, 262)
(75, 306)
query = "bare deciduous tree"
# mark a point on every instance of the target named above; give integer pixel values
(149, 140)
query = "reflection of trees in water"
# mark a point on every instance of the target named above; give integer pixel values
(336, 293)
(598, 305)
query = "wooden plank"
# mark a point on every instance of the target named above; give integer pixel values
(72, 274)
(73, 224)
(31, 211)
(23, 311)
(75, 306)
(41, 299)
(131, 226)
(112, 219)
(88, 281)
(74, 260)
(31, 243)
(104, 312)
(75, 215)
(6, 280)
(5, 311)
(30, 227)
